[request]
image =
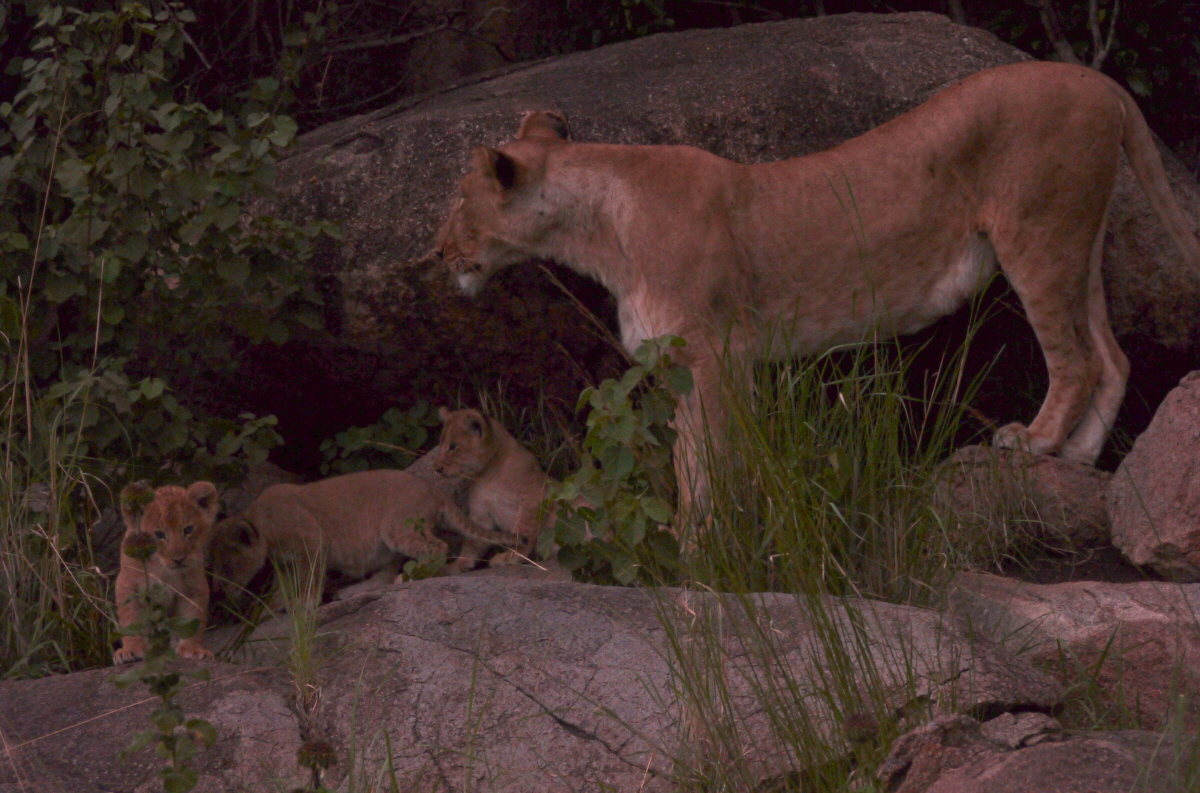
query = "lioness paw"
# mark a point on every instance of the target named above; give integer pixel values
(1012, 436)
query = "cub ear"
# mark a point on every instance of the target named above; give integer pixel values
(245, 533)
(444, 414)
(544, 124)
(135, 497)
(497, 165)
(204, 496)
(479, 425)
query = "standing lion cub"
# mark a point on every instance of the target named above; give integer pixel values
(507, 484)
(169, 528)
(357, 524)
(881, 235)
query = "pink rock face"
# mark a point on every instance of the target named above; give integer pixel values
(1140, 642)
(1154, 497)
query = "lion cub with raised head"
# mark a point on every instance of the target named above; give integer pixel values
(507, 485)
(177, 523)
(357, 524)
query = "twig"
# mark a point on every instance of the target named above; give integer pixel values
(1054, 32)
(1100, 45)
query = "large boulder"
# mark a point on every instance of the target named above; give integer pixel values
(66, 732)
(495, 681)
(1154, 497)
(1138, 643)
(752, 93)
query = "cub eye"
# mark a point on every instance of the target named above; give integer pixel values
(160, 535)
(187, 530)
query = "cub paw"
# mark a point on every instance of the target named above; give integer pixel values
(194, 651)
(133, 648)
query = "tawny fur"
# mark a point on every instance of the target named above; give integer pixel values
(358, 524)
(181, 521)
(507, 484)
(883, 234)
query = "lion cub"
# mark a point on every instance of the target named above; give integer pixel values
(356, 524)
(178, 524)
(507, 485)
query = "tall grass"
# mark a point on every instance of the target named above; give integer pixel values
(824, 478)
(824, 490)
(55, 603)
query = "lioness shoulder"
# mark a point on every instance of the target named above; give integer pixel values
(507, 484)
(357, 524)
(167, 532)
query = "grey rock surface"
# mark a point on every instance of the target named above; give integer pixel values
(499, 682)
(63, 734)
(1035, 496)
(1154, 497)
(752, 93)
(954, 754)
(1141, 642)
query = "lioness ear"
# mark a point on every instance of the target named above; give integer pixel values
(443, 414)
(204, 495)
(544, 124)
(497, 165)
(135, 498)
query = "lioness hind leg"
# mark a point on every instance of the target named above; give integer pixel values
(1055, 302)
(1088, 438)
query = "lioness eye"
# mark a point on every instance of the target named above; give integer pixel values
(453, 446)
(160, 535)
(187, 530)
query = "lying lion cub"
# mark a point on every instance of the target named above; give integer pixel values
(358, 524)
(507, 484)
(881, 235)
(169, 528)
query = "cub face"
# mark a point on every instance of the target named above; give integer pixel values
(238, 552)
(178, 520)
(502, 212)
(467, 445)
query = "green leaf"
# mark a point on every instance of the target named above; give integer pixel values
(140, 741)
(285, 131)
(178, 780)
(202, 730)
(233, 271)
(657, 509)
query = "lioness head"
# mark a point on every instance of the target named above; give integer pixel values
(467, 445)
(238, 552)
(501, 213)
(178, 521)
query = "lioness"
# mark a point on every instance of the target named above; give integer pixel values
(507, 484)
(173, 526)
(883, 234)
(357, 524)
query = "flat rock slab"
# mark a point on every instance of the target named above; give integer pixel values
(493, 682)
(63, 734)
(1154, 497)
(955, 755)
(1148, 634)
(1036, 497)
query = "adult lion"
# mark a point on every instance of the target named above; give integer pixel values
(885, 233)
